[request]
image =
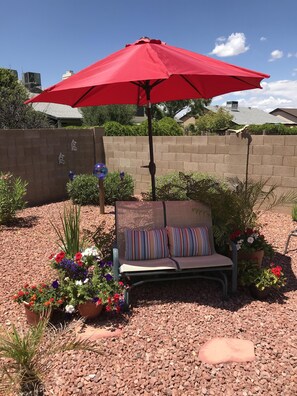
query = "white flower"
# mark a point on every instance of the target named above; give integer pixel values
(250, 240)
(66, 279)
(78, 282)
(69, 308)
(238, 246)
(91, 251)
(86, 280)
(240, 242)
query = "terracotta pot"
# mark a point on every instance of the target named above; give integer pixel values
(33, 317)
(260, 294)
(89, 309)
(253, 256)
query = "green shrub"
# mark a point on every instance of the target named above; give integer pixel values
(169, 127)
(294, 212)
(12, 191)
(118, 188)
(83, 190)
(174, 186)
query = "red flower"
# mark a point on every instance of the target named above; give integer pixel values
(33, 287)
(21, 293)
(249, 231)
(47, 303)
(51, 256)
(26, 285)
(108, 309)
(51, 300)
(116, 297)
(276, 271)
(121, 283)
(59, 257)
(118, 309)
(78, 256)
(60, 301)
(79, 263)
(99, 301)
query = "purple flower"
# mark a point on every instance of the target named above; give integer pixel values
(55, 284)
(108, 277)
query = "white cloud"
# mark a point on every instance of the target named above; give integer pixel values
(263, 38)
(292, 54)
(233, 45)
(276, 54)
(282, 93)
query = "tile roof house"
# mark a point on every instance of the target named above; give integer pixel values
(288, 114)
(249, 115)
(243, 115)
(60, 115)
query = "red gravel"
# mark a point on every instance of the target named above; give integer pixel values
(158, 351)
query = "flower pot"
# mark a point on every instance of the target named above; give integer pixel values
(260, 294)
(34, 317)
(257, 256)
(89, 309)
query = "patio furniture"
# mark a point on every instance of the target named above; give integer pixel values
(292, 233)
(169, 240)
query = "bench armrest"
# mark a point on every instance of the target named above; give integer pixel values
(116, 264)
(234, 260)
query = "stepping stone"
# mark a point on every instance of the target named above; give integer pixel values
(223, 350)
(93, 334)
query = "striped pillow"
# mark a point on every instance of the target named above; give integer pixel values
(146, 244)
(189, 241)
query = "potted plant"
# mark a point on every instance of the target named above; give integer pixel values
(39, 300)
(87, 283)
(251, 244)
(261, 281)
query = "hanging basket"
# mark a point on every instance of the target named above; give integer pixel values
(89, 309)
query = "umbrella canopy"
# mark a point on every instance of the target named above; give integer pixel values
(150, 71)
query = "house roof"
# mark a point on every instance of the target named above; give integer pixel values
(250, 115)
(292, 112)
(58, 111)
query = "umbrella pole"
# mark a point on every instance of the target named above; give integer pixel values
(152, 165)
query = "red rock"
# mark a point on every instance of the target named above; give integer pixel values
(222, 350)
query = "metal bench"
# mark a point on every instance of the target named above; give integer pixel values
(150, 215)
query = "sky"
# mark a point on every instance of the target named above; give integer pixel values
(52, 36)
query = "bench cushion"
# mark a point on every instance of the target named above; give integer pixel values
(188, 241)
(146, 244)
(146, 265)
(214, 260)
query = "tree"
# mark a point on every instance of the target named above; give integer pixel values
(98, 115)
(171, 109)
(213, 121)
(14, 114)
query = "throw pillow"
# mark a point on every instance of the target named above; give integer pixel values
(189, 241)
(146, 244)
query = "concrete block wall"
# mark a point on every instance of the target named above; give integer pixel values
(44, 158)
(273, 157)
(34, 156)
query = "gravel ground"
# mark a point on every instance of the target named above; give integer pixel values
(157, 353)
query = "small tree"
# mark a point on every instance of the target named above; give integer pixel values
(212, 122)
(98, 115)
(14, 114)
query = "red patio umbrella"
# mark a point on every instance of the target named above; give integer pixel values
(150, 71)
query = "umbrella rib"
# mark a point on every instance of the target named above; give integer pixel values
(192, 85)
(83, 96)
(244, 81)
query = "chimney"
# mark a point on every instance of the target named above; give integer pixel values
(68, 73)
(233, 104)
